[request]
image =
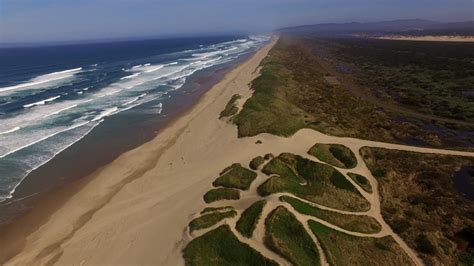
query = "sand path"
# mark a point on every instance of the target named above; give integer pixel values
(135, 210)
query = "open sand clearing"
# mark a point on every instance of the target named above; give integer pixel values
(135, 210)
(429, 38)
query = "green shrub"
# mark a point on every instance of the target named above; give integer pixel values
(221, 247)
(361, 181)
(221, 194)
(210, 219)
(423, 244)
(236, 176)
(256, 162)
(249, 218)
(230, 109)
(285, 235)
(334, 154)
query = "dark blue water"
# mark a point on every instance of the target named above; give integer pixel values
(52, 97)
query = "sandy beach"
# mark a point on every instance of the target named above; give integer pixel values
(136, 209)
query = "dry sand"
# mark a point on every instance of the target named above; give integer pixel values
(429, 38)
(135, 210)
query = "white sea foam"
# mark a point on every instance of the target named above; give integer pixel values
(38, 163)
(105, 113)
(135, 99)
(42, 102)
(159, 108)
(153, 69)
(41, 139)
(130, 76)
(10, 130)
(43, 80)
(62, 110)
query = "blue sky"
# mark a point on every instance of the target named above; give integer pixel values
(58, 20)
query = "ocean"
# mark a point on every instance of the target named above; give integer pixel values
(53, 98)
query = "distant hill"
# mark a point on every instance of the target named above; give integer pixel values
(407, 25)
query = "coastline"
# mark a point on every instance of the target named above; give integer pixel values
(111, 208)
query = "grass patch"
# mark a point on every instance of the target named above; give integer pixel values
(256, 162)
(286, 236)
(210, 219)
(221, 247)
(221, 194)
(316, 182)
(236, 176)
(344, 249)
(249, 218)
(421, 202)
(361, 181)
(216, 209)
(355, 223)
(334, 154)
(230, 108)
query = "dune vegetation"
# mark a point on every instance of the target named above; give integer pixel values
(421, 202)
(249, 218)
(221, 247)
(340, 248)
(221, 194)
(231, 107)
(334, 154)
(235, 176)
(285, 235)
(316, 182)
(210, 219)
(354, 223)
(361, 181)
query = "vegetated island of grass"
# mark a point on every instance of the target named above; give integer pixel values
(249, 218)
(210, 219)
(216, 209)
(231, 107)
(355, 223)
(335, 154)
(235, 176)
(256, 162)
(285, 235)
(361, 181)
(344, 249)
(221, 247)
(312, 181)
(221, 194)
(421, 202)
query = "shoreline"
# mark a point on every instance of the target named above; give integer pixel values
(79, 201)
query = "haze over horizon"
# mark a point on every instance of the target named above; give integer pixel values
(37, 21)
